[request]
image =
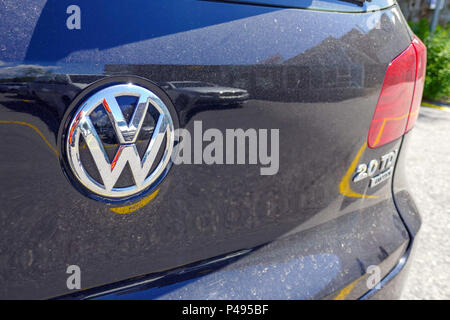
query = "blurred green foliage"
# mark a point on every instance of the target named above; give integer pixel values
(437, 83)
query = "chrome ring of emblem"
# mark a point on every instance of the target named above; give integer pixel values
(127, 134)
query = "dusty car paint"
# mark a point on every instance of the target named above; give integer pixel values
(306, 232)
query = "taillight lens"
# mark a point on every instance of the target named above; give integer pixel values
(400, 97)
(421, 63)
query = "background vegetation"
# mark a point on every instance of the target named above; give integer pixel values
(437, 82)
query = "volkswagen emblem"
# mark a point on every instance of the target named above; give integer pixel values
(119, 141)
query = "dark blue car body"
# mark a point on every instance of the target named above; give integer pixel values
(312, 69)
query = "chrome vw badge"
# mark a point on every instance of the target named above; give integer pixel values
(119, 125)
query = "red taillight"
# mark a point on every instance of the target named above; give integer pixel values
(421, 63)
(400, 97)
